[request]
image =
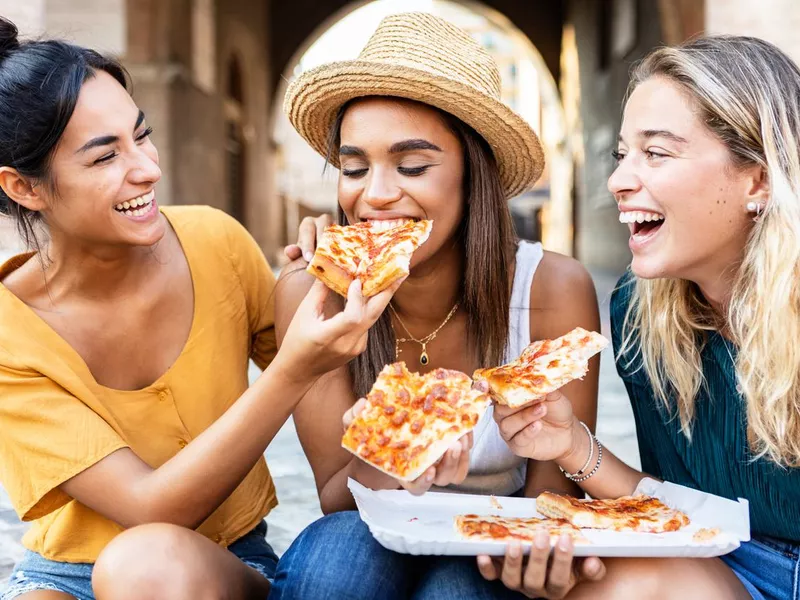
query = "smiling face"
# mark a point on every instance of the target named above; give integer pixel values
(399, 160)
(678, 189)
(104, 171)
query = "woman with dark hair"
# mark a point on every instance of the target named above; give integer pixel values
(418, 131)
(125, 339)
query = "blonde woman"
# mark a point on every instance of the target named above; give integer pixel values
(706, 327)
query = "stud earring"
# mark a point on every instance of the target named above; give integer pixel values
(755, 207)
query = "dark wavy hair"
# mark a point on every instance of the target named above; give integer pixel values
(40, 81)
(487, 239)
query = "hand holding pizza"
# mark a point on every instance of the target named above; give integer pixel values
(314, 345)
(451, 468)
(545, 430)
(310, 231)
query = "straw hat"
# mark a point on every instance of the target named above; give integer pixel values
(425, 58)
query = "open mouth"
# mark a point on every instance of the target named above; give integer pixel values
(138, 206)
(642, 224)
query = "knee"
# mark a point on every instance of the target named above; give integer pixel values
(149, 561)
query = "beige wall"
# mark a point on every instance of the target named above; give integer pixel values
(777, 21)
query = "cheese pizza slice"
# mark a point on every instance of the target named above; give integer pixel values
(410, 420)
(644, 514)
(366, 251)
(543, 367)
(496, 528)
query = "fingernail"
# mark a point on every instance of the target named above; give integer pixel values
(564, 542)
(429, 477)
(542, 540)
(514, 551)
(308, 256)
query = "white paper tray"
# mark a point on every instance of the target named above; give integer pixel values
(424, 524)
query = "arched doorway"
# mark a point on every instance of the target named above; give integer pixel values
(545, 213)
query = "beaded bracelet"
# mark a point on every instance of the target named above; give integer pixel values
(579, 475)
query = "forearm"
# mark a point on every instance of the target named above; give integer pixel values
(191, 485)
(336, 497)
(613, 477)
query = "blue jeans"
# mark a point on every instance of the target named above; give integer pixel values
(35, 572)
(768, 568)
(337, 557)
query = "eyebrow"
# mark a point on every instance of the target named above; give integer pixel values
(651, 133)
(105, 140)
(397, 148)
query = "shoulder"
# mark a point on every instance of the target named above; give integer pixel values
(562, 297)
(207, 222)
(560, 278)
(627, 350)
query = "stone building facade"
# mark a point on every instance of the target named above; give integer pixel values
(208, 75)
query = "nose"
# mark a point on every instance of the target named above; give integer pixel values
(381, 189)
(145, 169)
(624, 180)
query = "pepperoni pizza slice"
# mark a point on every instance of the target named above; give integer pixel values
(644, 514)
(367, 252)
(410, 420)
(501, 529)
(543, 367)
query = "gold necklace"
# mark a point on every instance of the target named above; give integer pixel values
(423, 357)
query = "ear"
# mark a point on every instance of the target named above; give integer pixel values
(757, 185)
(21, 190)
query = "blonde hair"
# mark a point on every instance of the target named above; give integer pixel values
(746, 91)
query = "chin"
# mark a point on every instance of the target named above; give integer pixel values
(649, 268)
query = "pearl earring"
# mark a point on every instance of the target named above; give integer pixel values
(752, 207)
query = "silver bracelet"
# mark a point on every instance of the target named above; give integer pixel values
(596, 466)
(582, 470)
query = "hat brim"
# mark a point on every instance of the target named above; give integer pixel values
(314, 98)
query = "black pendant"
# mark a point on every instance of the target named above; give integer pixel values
(423, 358)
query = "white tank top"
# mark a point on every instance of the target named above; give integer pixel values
(493, 467)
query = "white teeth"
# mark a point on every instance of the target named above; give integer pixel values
(639, 217)
(385, 225)
(128, 213)
(126, 205)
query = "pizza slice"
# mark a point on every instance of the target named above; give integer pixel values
(375, 256)
(543, 367)
(410, 420)
(643, 514)
(495, 528)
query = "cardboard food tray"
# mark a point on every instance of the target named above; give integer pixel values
(424, 524)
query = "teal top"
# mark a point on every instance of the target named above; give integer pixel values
(717, 460)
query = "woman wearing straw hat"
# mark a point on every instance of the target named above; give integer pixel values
(416, 127)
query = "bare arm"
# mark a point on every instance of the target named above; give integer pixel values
(190, 486)
(563, 297)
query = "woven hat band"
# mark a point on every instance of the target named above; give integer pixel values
(435, 46)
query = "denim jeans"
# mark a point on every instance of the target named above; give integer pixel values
(768, 568)
(337, 557)
(34, 572)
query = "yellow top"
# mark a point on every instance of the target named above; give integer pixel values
(56, 420)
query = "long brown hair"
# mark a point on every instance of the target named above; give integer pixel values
(486, 235)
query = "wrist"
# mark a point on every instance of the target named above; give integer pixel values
(580, 446)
